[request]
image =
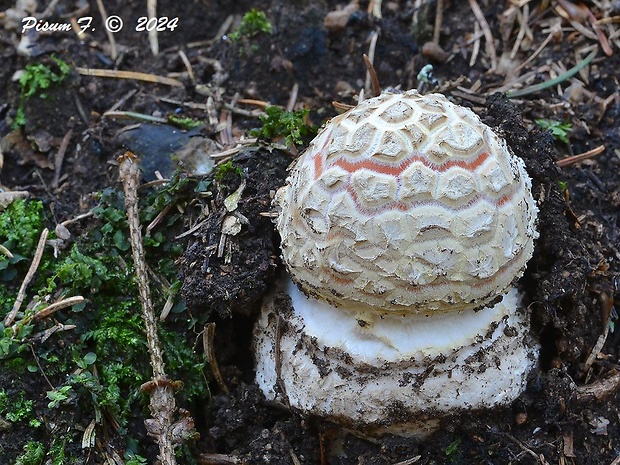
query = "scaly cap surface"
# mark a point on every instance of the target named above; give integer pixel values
(407, 203)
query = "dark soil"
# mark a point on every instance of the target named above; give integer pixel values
(567, 415)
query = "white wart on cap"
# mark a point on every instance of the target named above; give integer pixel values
(403, 227)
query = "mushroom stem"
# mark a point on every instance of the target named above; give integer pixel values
(407, 370)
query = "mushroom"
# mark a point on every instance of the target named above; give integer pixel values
(404, 227)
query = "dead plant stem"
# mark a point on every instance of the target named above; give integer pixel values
(109, 34)
(161, 389)
(151, 10)
(564, 162)
(34, 265)
(438, 22)
(475, 8)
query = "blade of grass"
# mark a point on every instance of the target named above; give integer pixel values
(552, 82)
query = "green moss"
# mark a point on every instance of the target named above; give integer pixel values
(254, 22)
(453, 450)
(7, 298)
(558, 130)
(119, 330)
(16, 408)
(57, 452)
(34, 452)
(78, 272)
(21, 224)
(225, 170)
(183, 363)
(100, 365)
(36, 79)
(12, 339)
(134, 459)
(184, 123)
(288, 124)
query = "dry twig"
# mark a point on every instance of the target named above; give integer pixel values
(120, 102)
(208, 336)
(476, 49)
(218, 459)
(34, 265)
(409, 461)
(162, 404)
(372, 82)
(607, 305)
(111, 73)
(104, 17)
(292, 100)
(6, 252)
(599, 389)
(60, 156)
(372, 76)
(77, 218)
(542, 46)
(487, 32)
(438, 21)
(151, 12)
(580, 157)
(188, 66)
(50, 309)
(374, 8)
(523, 19)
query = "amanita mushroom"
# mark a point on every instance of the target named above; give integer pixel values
(404, 227)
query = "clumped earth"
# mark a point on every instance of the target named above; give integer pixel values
(569, 413)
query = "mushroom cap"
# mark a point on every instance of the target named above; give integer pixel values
(406, 203)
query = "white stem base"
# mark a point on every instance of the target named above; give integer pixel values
(398, 374)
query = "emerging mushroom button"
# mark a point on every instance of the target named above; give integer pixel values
(404, 226)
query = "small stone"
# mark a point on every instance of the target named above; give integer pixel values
(434, 52)
(336, 21)
(520, 418)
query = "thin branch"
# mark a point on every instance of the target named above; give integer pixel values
(60, 156)
(374, 8)
(208, 337)
(537, 51)
(372, 81)
(151, 12)
(218, 459)
(34, 265)
(438, 21)
(188, 66)
(6, 252)
(162, 403)
(104, 18)
(487, 32)
(111, 73)
(580, 157)
(50, 309)
(599, 389)
(476, 48)
(292, 100)
(375, 86)
(523, 18)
